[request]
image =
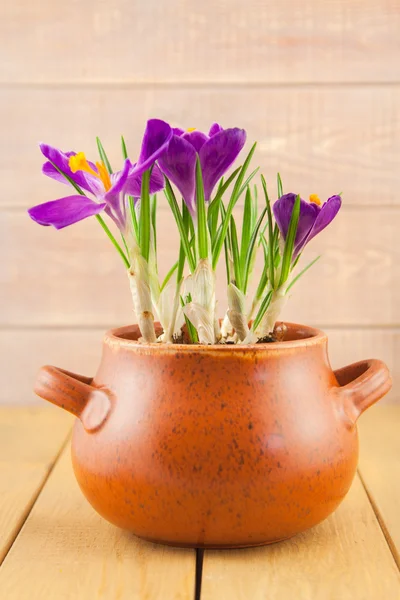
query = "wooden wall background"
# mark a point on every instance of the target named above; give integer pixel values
(316, 83)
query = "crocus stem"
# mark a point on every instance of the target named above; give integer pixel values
(278, 301)
(169, 334)
(139, 281)
(226, 327)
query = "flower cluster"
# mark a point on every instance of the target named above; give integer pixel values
(195, 163)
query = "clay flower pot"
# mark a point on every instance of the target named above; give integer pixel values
(216, 446)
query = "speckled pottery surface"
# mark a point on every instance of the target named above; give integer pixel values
(216, 446)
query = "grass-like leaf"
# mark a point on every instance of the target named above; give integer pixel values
(153, 215)
(289, 242)
(279, 185)
(169, 194)
(191, 329)
(145, 216)
(103, 155)
(233, 199)
(123, 148)
(235, 254)
(202, 233)
(302, 273)
(250, 250)
(247, 228)
(169, 275)
(271, 241)
(262, 310)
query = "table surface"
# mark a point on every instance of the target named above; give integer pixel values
(53, 546)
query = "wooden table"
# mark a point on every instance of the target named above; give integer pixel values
(53, 546)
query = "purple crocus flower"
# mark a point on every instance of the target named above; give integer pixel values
(109, 191)
(217, 150)
(312, 220)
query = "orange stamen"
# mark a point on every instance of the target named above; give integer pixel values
(315, 199)
(103, 175)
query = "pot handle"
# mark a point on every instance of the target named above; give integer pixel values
(362, 384)
(74, 393)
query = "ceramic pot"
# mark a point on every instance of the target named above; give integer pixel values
(216, 446)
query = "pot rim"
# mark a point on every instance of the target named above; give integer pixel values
(308, 336)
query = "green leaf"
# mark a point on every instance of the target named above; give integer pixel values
(181, 262)
(279, 184)
(271, 265)
(247, 228)
(250, 250)
(169, 194)
(262, 310)
(145, 216)
(103, 155)
(191, 329)
(233, 199)
(289, 242)
(169, 275)
(123, 146)
(302, 273)
(235, 254)
(214, 204)
(98, 217)
(248, 180)
(132, 211)
(153, 216)
(202, 233)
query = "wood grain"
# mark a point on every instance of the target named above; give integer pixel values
(30, 440)
(345, 557)
(380, 468)
(227, 41)
(66, 551)
(321, 139)
(22, 352)
(74, 277)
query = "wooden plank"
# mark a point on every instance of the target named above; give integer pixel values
(74, 276)
(22, 352)
(30, 440)
(82, 556)
(290, 40)
(345, 557)
(380, 468)
(321, 139)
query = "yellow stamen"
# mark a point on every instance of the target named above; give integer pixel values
(78, 162)
(315, 199)
(191, 129)
(103, 175)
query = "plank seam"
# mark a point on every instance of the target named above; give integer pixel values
(35, 496)
(179, 85)
(382, 524)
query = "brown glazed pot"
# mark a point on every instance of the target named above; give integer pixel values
(216, 446)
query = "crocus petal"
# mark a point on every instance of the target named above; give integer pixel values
(65, 211)
(215, 128)
(326, 213)
(178, 163)
(155, 141)
(87, 182)
(115, 196)
(217, 155)
(134, 182)
(178, 131)
(283, 209)
(196, 138)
